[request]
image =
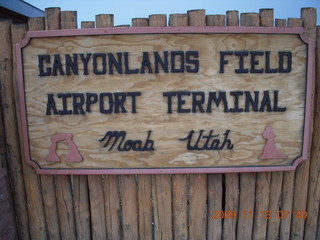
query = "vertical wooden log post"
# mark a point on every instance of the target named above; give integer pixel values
(288, 177)
(140, 22)
(8, 231)
(95, 182)
(52, 18)
(262, 179)
(294, 22)
(273, 229)
(129, 207)
(216, 20)
(214, 180)
(158, 20)
(198, 182)
(68, 20)
(197, 17)
(112, 206)
(15, 172)
(180, 206)
(178, 20)
(162, 195)
(87, 24)
(161, 184)
(80, 186)
(179, 181)
(104, 20)
(145, 181)
(276, 177)
(300, 197)
(280, 22)
(97, 210)
(229, 228)
(110, 184)
(314, 180)
(247, 180)
(232, 18)
(32, 180)
(52, 21)
(266, 17)
(3, 157)
(81, 207)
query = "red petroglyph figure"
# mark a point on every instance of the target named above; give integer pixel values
(73, 152)
(270, 150)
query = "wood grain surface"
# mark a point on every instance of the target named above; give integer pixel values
(246, 127)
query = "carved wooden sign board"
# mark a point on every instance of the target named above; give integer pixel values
(165, 100)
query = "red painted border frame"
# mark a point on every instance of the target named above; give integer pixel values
(158, 30)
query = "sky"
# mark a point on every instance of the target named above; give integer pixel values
(125, 10)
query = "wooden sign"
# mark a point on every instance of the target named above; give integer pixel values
(165, 100)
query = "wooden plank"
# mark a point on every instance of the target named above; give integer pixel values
(11, 132)
(314, 179)
(162, 199)
(32, 181)
(97, 209)
(129, 207)
(215, 20)
(47, 181)
(174, 151)
(112, 206)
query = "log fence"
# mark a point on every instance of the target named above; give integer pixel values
(164, 206)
